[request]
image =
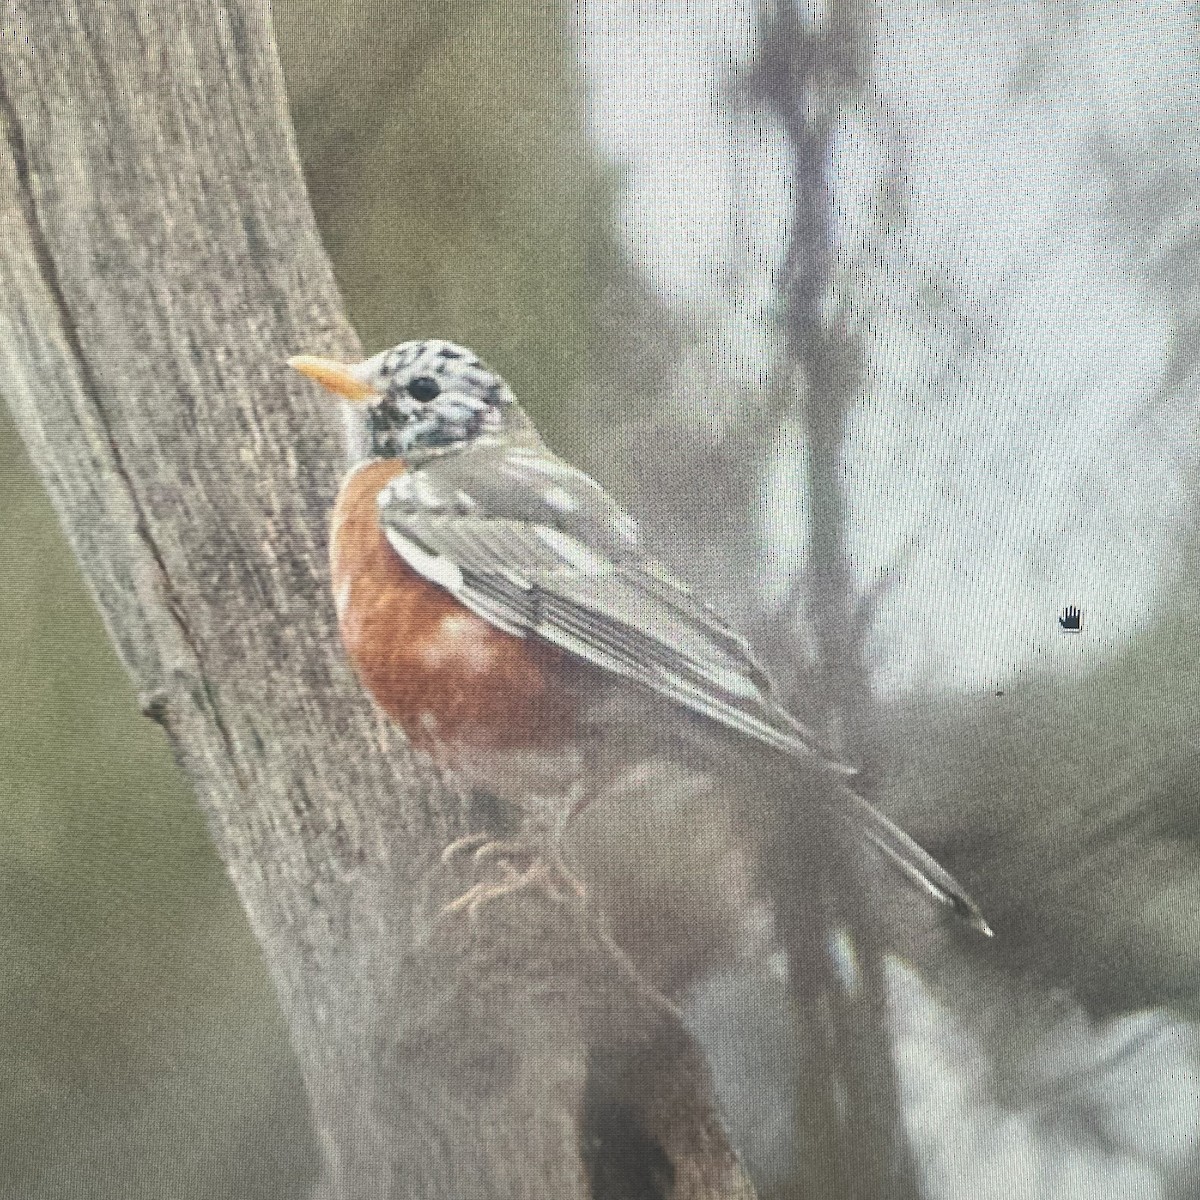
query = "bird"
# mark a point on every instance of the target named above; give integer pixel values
(500, 607)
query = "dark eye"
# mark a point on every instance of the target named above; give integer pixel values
(424, 388)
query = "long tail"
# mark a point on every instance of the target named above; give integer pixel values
(918, 866)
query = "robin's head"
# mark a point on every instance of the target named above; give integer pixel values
(419, 399)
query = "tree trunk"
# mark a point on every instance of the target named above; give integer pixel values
(160, 262)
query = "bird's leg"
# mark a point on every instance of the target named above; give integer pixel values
(524, 866)
(529, 867)
(542, 871)
(465, 845)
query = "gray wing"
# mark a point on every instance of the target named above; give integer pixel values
(536, 547)
(550, 554)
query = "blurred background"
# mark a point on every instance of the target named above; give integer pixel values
(608, 201)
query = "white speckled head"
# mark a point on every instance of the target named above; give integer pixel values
(420, 399)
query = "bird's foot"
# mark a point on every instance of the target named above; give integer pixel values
(521, 868)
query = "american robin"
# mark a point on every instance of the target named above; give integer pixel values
(499, 605)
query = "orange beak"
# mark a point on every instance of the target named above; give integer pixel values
(337, 377)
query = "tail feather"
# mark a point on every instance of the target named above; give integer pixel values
(918, 866)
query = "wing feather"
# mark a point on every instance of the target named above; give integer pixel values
(533, 579)
(591, 592)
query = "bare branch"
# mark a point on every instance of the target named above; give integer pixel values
(849, 1119)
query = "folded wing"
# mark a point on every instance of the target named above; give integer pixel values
(569, 573)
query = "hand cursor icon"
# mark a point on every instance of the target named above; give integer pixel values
(1071, 620)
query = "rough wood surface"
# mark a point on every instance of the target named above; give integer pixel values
(159, 263)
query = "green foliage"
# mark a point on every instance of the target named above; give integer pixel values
(139, 1037)
(455, 191)
(1070, 806)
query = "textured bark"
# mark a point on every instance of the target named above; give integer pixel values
(159, 263)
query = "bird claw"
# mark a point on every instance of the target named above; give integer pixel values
(524, 868)
(465, 845)
(527, 868)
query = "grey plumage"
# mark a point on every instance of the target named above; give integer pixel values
(538, 548)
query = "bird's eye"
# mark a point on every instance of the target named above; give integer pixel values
(424, 388)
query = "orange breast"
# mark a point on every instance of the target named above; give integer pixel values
(444, 674)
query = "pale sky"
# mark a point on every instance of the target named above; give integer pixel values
(1001, 486)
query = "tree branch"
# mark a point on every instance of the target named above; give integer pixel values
(850, 1120)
